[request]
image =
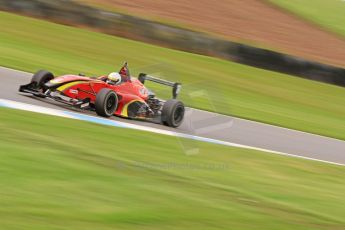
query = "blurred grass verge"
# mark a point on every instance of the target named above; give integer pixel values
(328, 14)
(58, 173)
(225, 87)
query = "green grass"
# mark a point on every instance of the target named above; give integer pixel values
(79, 175)
(225, 87)
(327, 13)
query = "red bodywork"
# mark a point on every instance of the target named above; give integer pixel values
(80, 87)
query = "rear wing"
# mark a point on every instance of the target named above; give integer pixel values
(176, 87)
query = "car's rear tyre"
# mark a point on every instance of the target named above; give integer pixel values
(173, 113)
(41, 77)
(106, 102)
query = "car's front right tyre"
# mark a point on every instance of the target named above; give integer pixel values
(41, 77)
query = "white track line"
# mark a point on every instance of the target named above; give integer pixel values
(103, 121)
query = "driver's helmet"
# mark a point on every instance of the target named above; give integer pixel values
(114, 78)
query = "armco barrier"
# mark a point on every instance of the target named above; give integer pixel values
(71, 13)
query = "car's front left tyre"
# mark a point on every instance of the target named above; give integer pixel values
(106, 102)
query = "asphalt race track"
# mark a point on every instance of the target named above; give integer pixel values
(211, 125)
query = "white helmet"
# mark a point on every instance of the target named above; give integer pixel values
(114, 78)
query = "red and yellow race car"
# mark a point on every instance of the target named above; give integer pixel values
(116, 94)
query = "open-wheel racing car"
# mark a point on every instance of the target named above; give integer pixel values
(116, 94)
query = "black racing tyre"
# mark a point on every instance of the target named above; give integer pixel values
(41, 77)
(106, 102)
(173, 113)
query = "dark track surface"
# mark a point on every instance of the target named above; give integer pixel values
(211, 125)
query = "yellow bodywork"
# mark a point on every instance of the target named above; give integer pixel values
(124, 111)
(68, 85)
